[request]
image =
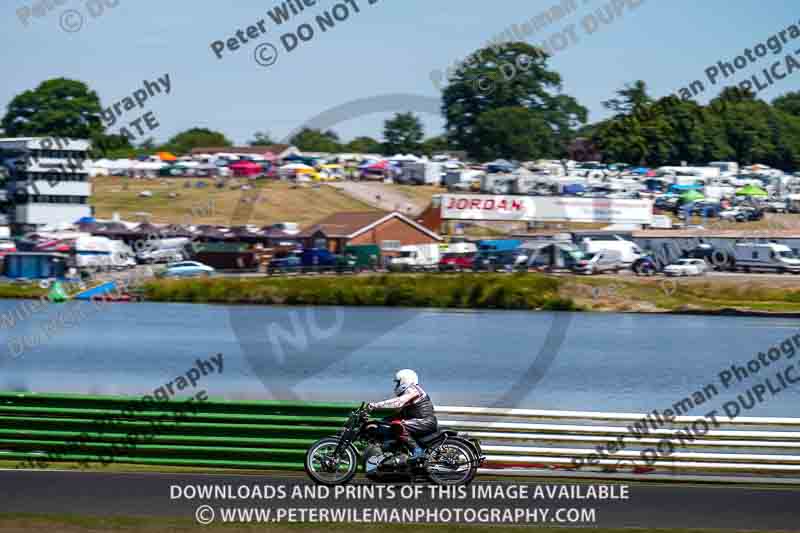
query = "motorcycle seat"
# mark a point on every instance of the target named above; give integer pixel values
(434, 437)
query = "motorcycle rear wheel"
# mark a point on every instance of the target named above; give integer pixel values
(325, 469)
(452, 463)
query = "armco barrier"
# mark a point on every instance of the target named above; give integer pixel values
(38, 430)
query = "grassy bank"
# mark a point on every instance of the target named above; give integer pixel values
(76, 524)
(13, 290)
(701, 295)
(483, 291)
(172, 202)
(466, 291)
(495, 291)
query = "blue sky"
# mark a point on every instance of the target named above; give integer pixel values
(388, 47)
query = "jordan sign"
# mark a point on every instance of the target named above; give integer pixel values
(546, 209)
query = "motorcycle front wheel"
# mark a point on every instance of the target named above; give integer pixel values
(324, 468)
(452, 463)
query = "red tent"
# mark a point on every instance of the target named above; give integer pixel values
(380, 165)
(245, 168)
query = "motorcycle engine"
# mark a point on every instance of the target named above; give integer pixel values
(377, 461)
(393, 462)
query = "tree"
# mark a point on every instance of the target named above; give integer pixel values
(403, 134)
(631, 98)
(147, 144)
(112, 146)
(261, 138)
(746, 125)
(514, 133)
(58, 107)
(788, 103)
(435, 144)
(196, 138)
(364, 145)
(514, 76)
(311, 140)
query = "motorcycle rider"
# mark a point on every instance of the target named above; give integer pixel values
(416, 411)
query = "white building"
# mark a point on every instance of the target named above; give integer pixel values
(48, 181)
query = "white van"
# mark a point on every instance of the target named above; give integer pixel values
(597, 262)
(765, 256)
(162, 250)
(629, 251)
(417, 257)
(122, 256)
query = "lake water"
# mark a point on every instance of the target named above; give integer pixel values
(574, 361)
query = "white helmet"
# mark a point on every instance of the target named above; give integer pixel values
(404, 379)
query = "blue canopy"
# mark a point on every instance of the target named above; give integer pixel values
(86, 220)
(574, 189)
(654, 184)
(300, 159)
(499, 167)
(685, 188)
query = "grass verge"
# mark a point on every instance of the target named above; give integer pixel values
(464, 291)
(81, 524)
(14, 290)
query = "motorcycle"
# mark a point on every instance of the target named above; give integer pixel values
(449, 458)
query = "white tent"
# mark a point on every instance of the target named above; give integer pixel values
(296, 166)
(401, 157)
(147, 168)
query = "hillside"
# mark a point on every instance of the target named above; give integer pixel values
(275, 202)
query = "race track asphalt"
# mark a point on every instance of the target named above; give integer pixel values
(149, 495)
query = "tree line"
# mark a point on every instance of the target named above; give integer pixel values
(490, 112)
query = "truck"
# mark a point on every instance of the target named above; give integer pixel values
(367, 256)
(498, 245)
(424, 173)
(765, 256)
(417, 257)
(321, 260)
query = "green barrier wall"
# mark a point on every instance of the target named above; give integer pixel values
(39, 429)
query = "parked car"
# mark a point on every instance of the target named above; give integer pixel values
(288, 263)
(686, 267)
(187, 269)
(320, 259)
(776, 206)
(666, 203)
(644, 266)
(457, 262)
(600, 261)
(746, 214)
(497, 261)
(7, 247)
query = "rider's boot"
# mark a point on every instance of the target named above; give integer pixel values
(416, 452)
